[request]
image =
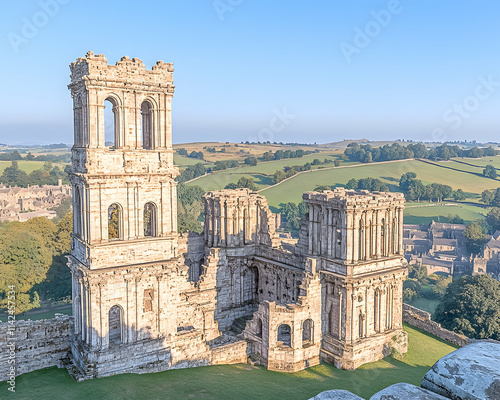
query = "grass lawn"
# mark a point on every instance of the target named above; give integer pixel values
(240, 381)
(45, 315)
(26, 166)
(424, 215)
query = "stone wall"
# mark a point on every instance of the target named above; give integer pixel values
(422, 320)
(38, 344)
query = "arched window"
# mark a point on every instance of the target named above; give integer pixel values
(382, 238)
(111, 123)
(376, 310)
(361, 326)
(259, 328)
(78, 120)
(307, 332)
(285, 335)
(115, 325)
(147, 125)
(78, 213)
(115, 222)
(150, 220)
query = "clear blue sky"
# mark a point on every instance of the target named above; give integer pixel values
(235, 67)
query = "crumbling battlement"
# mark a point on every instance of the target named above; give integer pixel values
(95, 69)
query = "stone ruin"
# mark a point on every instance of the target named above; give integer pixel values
(147, 299)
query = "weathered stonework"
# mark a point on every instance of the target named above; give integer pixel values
(31, 345)
(146, 299)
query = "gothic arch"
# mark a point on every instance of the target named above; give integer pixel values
(285, 335)
(307, 331)
(115, 319)
(115, 222)
(150, 219)
(148, 125)
(112, 137)
(78, 213)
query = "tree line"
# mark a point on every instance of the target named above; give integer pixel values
(47, 175)
(365, 153)
(16, 156)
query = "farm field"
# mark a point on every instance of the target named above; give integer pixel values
(26, 166)
(240, 381)
(239, 151)
(440, 213)
(389, 172)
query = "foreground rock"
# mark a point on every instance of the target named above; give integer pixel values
(406, 391)
(469, 373)
(336, 395)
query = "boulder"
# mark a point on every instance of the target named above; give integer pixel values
(469, 373)
(336, 395)
(406, 391)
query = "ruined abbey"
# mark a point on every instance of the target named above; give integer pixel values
(147, 299)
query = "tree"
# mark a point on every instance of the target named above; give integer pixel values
(337, 163)
(13, 176)
(493, 219)
(352, 184)
(190, 208)
(293, 214)
(471, 306)
(490, 171)
(487, 197)
(475, 237)
(245, 182)
(279, 175)
(406, 180)
(456, 219)
(251, 161)
(458, 195)
(322, 188)
(182, 151)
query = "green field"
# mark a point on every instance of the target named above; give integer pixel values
(239, 381)
(185, 161)
(441, 213)
(26, 166)
(39, 316)
(292, 189)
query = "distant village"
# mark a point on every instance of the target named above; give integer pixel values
(21, 204)
(440, 247)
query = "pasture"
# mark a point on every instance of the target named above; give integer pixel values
(27, 166)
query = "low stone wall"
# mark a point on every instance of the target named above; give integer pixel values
(232, 353)
(31, 345)
(422, 320)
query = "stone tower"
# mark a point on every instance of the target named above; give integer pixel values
(356, 238)
(124, 202)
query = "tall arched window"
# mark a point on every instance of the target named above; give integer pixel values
(78, 213)
(150, 220)
(115, 222)
(361, 326)
(259, 328)
(111, 123)
(382, 238)
(307, 332)
(376, 310)
(147, 125)
(285, 335)
(77, 108)
(115, 325)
